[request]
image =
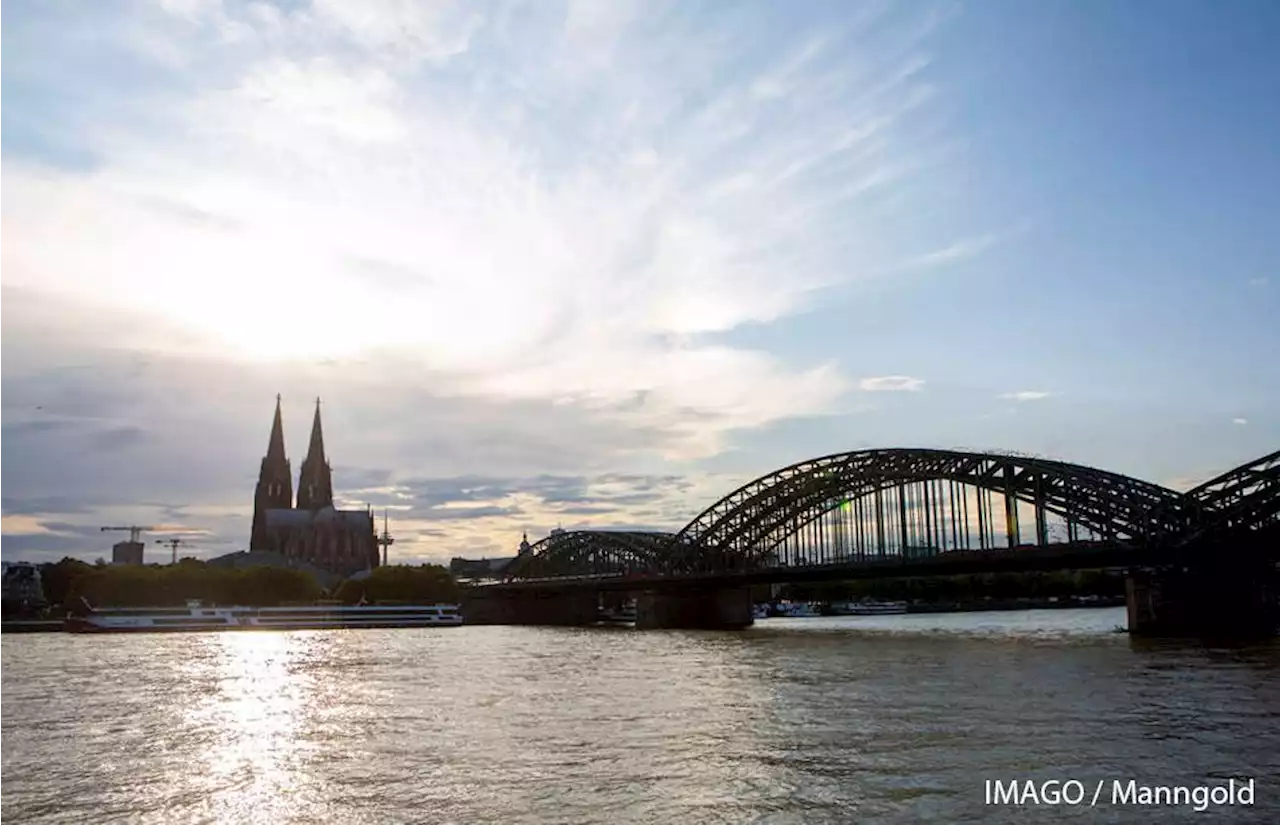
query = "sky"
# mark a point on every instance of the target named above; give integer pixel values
(597, 264)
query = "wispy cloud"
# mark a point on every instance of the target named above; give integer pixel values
(1240, 421)
(497, 237)
(1027, 395)
(1258, 283)
(553, 229)
(958, 251)
(890, 383)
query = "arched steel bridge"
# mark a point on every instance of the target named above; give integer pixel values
(907, 505)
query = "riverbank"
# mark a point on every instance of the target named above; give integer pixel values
(31, 626)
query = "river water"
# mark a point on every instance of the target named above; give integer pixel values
(848, 719)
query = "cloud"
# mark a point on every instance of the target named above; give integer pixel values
(1184, 483)
(207, 421)
(31, 506)
(535, 502)
(1258, 283)
(890, 383)
(1240, 421)
(952, 253)
(24, 524)
(497, 238)
(454, 513)
(1026, 395)
(115, 438)
(503, 244)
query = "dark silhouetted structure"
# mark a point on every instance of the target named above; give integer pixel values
(242, 560)
(127, 552)
(22, 587)
(491, 568)
(131, 551)
(478, 568)
(1205, 562)
(340, 541)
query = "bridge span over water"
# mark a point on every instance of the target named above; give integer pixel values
(919, 512)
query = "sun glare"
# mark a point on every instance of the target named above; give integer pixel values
(257, 706)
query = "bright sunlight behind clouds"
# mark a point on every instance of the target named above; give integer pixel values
(541, 203)
(504, 240)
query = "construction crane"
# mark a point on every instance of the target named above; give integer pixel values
(173, 543)
(134, 531)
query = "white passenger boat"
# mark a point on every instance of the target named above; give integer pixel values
(868, 608)
(196, 617)
(796, 610)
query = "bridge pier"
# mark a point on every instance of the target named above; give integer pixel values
(1207, 601)
(615, 600)
(727, 608)
(535, 607)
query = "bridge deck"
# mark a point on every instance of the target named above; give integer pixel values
(1017, 560)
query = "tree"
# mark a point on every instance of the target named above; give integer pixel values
(58, 578)
(426, 584)
(173, 584)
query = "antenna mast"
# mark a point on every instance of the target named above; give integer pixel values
(385, 540)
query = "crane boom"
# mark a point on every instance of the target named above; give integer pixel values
(133, 530)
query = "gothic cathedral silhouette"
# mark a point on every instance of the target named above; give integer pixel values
(341, 541)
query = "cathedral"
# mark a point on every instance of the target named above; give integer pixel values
(340, 541)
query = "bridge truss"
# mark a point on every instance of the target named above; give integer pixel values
(906, 504)
(592, 553)
(1247, 497)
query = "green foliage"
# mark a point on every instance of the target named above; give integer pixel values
(58, 578)
(171, 585)
(428, 584)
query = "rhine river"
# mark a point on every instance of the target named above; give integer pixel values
(831, 720)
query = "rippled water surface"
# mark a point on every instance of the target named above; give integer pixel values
(855, 719)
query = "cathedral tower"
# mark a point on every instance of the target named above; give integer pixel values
(275, 484)
(315, 482)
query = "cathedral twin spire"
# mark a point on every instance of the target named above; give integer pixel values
(315, 481)
(275, 447)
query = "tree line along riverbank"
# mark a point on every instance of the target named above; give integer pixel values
(70, 584)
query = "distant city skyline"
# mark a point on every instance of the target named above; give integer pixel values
(596, 264)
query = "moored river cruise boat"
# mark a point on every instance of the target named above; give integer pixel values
(197, 617)
(868, 608)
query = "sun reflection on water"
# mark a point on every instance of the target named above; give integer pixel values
(254, 718)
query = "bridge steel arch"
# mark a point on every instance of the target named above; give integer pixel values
(739, 531)
(743, 531)
(592, 552)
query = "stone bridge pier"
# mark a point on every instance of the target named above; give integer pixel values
(1240, 602)
(725, 608)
